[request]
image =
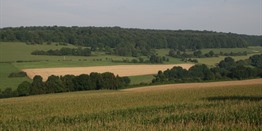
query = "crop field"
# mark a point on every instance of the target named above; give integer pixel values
(121, 70)
(232, 105)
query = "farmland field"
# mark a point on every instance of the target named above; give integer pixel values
(15, 56)
(232, 105)
(121, 70)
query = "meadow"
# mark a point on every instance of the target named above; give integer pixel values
(168, 107)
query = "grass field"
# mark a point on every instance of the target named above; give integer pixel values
(5, 82)
(214, 60)
(168, 107)
(18, 51)
(141, 79)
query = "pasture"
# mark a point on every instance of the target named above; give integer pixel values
(233, 105)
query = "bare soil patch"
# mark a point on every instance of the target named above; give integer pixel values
(198, 85)
(121, 70)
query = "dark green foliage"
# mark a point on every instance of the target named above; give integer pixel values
(135, 41)
(174, 74)
(157, 59)
(256, 60)
(242, 72)
(37, 86)
(54, 84)
(197, 53)
(68, 82)
(7, 93)
(23, 89)
(234, 54)
(226, 69)
(64, 51)
(17, 74)
(228, 63)
(201, 72)
(84, 82)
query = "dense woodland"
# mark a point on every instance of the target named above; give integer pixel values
(64, 51)
(128, 42)
(226, 69)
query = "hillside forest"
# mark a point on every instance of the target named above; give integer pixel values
(126, 42)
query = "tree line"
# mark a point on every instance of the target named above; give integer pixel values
(64, 51)
(199, 54)
(128, 42)
(225, 70)
(67, 83)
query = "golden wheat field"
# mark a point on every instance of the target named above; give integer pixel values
(121, 70)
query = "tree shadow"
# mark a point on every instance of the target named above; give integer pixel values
(239, 98)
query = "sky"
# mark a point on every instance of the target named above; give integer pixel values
(236, 16)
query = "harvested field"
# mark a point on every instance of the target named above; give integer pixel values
(198, 85)
(121, 70)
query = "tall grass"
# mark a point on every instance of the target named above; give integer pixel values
(211, 108)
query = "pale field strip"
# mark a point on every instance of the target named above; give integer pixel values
(121, 70)
(198, 85)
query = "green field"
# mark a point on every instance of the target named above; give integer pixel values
(214, 60)
(5, 82)
(205, 108)
(141, 79)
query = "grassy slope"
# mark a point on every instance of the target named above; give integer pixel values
(213, 108)
(15, 51)
(214, 60)
(5, 70)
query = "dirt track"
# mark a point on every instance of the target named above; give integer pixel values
(198, 85)
(121, 70)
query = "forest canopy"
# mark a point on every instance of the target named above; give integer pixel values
(140, 40)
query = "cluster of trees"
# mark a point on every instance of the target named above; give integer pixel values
(128, 42)
(196, 54)
(65, 51)
(154, 59)
(17, 74)
(158, 59)
(234, 54)
(199, 54)
(226, 69)
(68, 83)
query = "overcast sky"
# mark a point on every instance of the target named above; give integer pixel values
(237, 16)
